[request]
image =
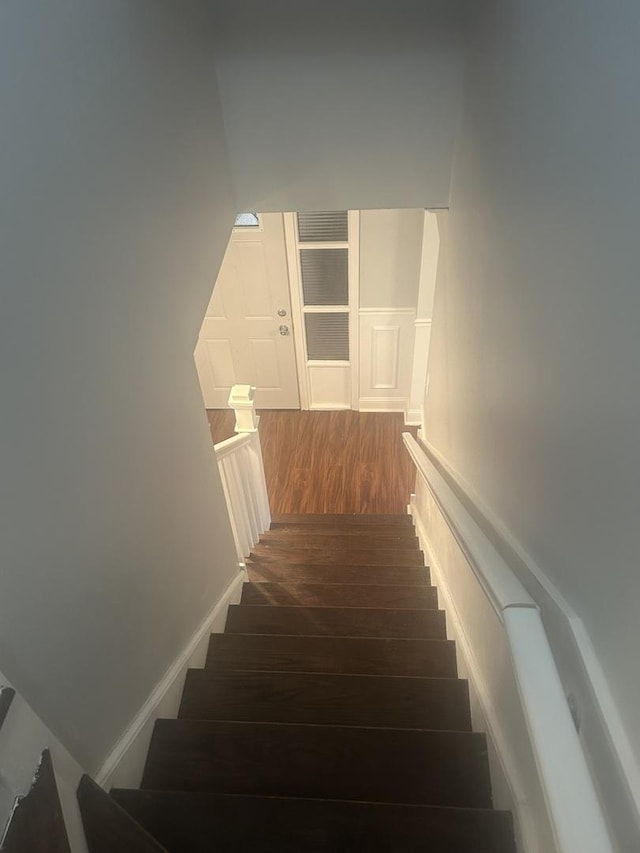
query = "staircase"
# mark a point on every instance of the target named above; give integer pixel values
(329, 716)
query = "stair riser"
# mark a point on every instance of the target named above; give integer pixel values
(374, 765)
(188, 823)
(346, 541)
(336, 621)
(351, 533)
(346, 519)
(428, 658)
(341, 595)
(285, 573)
(345, 557)
(412, 703)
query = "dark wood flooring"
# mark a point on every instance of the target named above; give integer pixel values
(322, 721)
(330, 462)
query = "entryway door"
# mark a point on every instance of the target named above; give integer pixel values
(247, 334)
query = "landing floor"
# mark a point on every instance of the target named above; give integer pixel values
(331, 461)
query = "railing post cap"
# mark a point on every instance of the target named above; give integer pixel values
(242, 396)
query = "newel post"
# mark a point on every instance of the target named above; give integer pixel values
(242, 401)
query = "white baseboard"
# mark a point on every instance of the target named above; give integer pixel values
(604, 740)
(413, 417)
(124, 765)
(505, 775)
(382, 404)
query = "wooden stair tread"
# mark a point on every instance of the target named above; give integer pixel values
(340, 540)
(341, 595)
(355, 656)
(348, 532)
(378, 765)
(187, 822)
(108, 827)
(260, 572)
(345, 700)
(336, 621)
(341, 518)
(334, 556)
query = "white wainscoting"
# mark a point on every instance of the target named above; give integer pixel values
(329, 385)
(386, 358)
(484, 632)
(602, 735)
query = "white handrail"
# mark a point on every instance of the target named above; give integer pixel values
(574, 811)
(242, 474)
(230, 445)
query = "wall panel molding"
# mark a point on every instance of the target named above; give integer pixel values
(386, 352)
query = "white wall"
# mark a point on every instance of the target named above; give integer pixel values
(340, 105)
(116, 208)
(390, 254)
(534, 393)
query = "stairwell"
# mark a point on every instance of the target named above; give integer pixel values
(328, 717)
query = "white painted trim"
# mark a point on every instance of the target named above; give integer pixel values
(494, 726)
(423, 322)
(299, 335)
(354, 304)
(622, 754)
(381, 404)
(413, 417)
(365, 311)
(573, 808)
(230, 445)
(500, 585)
(139, 727)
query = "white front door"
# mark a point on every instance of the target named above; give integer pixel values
(247, 334)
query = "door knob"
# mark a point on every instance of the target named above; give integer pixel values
(284, 330)
(282, 312)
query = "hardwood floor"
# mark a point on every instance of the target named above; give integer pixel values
(339, 462)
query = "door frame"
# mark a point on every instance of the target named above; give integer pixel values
(293, 245)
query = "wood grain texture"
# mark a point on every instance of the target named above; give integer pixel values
(187, 822)
(108, 827)
(342, 700)
(350, 763)
(362, 556)
(354, 656)
(259, 572)
(341, 595)
(337, 622)
(330, 462)
(37, 824)
(339, 541)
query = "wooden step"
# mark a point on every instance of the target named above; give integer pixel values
(350, 532)
(377, 765)
(355, 656)
(327, 540)
(336, 622)
(108, 827)
(36, 824)
(341, 518)
(291, 573)
(189, 822)
(343, 700)
(332, 556)
(341, 595)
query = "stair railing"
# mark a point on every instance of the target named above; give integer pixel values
(575, 815)
(242, 473)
